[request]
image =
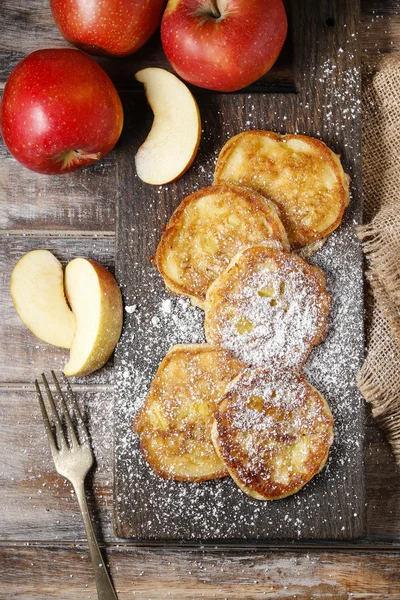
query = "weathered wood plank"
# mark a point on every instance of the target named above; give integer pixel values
(382, 486)
(190, 575)
(37, 504)
(380, 7)
(22, 355)
(28, 26)
(383, 499)
(379, 32)
(83, 200)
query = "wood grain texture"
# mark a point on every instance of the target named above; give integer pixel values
(39, 573)
(383, 488)
(327, 77)
(380, 7)
(23, 356)
(380, 31)
(38, 505)
(79, 201)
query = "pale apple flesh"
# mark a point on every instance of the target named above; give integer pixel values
(172, 144)
(96, 302)
(37, 291)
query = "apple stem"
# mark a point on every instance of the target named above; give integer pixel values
(210, 9)
(216, 13)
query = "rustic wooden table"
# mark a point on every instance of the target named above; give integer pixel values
(42, 547)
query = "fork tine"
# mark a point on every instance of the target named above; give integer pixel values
(75, 405)
(70, 425)
(54, 412)
(46, 421)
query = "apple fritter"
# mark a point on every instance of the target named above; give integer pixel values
(206, 230)
(300, 174)
(175, 422)
(269, 308)
(273, 431)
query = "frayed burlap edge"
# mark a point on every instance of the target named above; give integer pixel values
(381, 244)
(385, 406)
(379, 383)
(379, 378)
(388, 309)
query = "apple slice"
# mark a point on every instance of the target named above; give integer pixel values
(37, 291)
(174, 138)
(96, 302)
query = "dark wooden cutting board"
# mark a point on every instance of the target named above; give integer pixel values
(321, 78)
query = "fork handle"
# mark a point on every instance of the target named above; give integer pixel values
(105, 589)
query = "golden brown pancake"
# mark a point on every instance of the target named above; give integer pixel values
(206, 230)
(269, 308)
(300, 174)
(273, 431)
(175, 422)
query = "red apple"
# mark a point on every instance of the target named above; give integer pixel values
(59, 111)
(223, 45)
(116, 27)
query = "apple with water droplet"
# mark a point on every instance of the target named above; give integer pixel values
(113, 27)
(59, 111)
(223, 45)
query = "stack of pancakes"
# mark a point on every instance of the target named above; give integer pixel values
(240, 405)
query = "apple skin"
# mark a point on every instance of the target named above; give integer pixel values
(59, 111)
(96, 301)
(107, 27)
(223, 45)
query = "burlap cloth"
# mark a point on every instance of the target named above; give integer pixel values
(379, 378)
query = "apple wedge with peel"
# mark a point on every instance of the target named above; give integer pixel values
(174, 138)
(96, 302)
(37, 291)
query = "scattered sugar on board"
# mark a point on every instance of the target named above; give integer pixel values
(218, 508)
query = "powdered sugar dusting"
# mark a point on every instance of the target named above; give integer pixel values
(280, 427)
(157, 508)
(273, 309)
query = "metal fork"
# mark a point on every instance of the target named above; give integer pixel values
(73, 459)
